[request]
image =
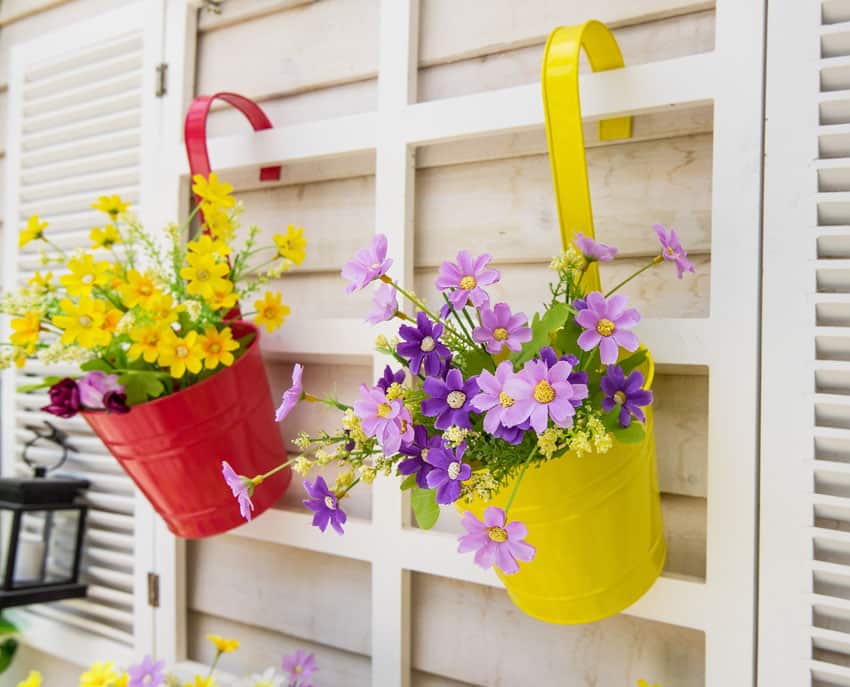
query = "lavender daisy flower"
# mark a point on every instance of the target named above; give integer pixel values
(606, 324)
(547, 355)
(385, 305)
(422, 344)
(499, 328)
(593, 250)
(466, 279)
(449, 400)
(448, 472)
(148, 673)
(495, 541)
(292, 395)
(367, 265)
(418, 450)
(493, 400)
(672, 249)
(626, 392)
(325, 506)
(242, 488)
(299, 666)
(94, 386)
(389, 378)
(388, 421)
(540, 393)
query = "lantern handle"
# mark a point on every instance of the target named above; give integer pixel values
(56, 436)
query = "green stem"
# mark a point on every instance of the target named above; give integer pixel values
(212, 667)
(348, 488)
(657, 259)
(259, 479)
(326, 401)
(454, 312)
(518, 480)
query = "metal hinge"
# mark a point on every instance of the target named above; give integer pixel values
(161, 79)
(153, 590)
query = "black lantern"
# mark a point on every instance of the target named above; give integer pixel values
(41, 531)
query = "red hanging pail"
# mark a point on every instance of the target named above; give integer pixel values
(172, 447)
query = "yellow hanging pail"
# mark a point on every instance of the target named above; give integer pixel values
(595, 520)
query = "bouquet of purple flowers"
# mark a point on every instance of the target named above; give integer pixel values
(480, 394)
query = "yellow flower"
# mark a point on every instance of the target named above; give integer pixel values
(111, 205)
(85, 275)
(33, 680)
(26, 331)
(223, 298)
(106, 237)
(644, 683)
(111, 319)
(34, 231)
(217, 346)
(224, 646)
(99, 675)
(42, 283)
(149, 342)
(219, 223)
(213, 192)
(204, 274)
(292, 245)
(181, 354)
(83, 322)
(122, 681)
(140, 289)
(202, 682)
(270, 311)
(204, 245)
(161, 307)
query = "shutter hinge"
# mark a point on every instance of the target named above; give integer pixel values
(161, 79)
(153, 590)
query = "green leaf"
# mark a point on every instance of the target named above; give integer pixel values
(96, 364)
(634, 361)
(541, 330)
(409, 482)
(567, 339)
(425, 508)
(476, 360)
(633, 434)
(7, 653)
(141, 386)
(26, 388)
(7, 627)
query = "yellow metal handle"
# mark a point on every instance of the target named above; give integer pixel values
(564, 134)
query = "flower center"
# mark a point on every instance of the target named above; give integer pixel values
(424, 453)
(269, 313)
(202, 275)
(505, 400)
(298, 669)
(497, 534)
(87, 278)
(468, 283)
(619, 397)
(427, 344)
(453, 470)
(456, 399)
(670, 251)
(543, 392)
(500, 333)
(605, 327)
(152, 340)
(145, 290)
(330, 503)
(384, 409)
(182, 351)
(215, 348)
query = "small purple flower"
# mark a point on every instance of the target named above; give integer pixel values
(418, 450)
(450, 400)
(547, 355)
(148, 673)
(367, 265)
(626, 392)
(64, 398)
(325, 506)
(389, 421)
(466, 279)
(493, 400)
(593, 250)
(446, 310)
(606, 324)
(389, 378)
(292, 395)
(495, 541)
(115, 402)
(540, 393)
(499, 328)
(448, 472)
(300, 666)
(242, 488)
(385, 305)
(422, 345)
(94, 386)
(580, 304)
(672, 249)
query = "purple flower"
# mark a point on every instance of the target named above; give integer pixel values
(449, 400)
(448, 472)
(547, 355)
(540, 393)
(493, 400)
(495, 541)
(116, 402)
(593, 250)
(422, 345)
(325, 506)
(499, 328)
(606, 324)
(242, 488)
(672, 249)
(580, 304)
(418, 449)
(389, 378)
(367, 265)
(466, 279)
(626, 392)
(292, 395)
(64, 398)
(388, 421)
(148, 673)
(299, 666)
(385, 305)
(94, 386)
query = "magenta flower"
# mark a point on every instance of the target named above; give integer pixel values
(466, 279)
(449, 400)
(421, 345)
(626, 392)
(148, 673)
(385, 305)
(94, 386)
(64, 399)
(292, 395)
(115, 402)
(448, 471)
(540, 392)
(606, 324)
(242, 488)
(672, 249)
(593, 250)
(325, 506)
(495, 541)
(418, 450)
(493, 400)
(367, 265)
(300, 666)
(388, 421)
(499, 328)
